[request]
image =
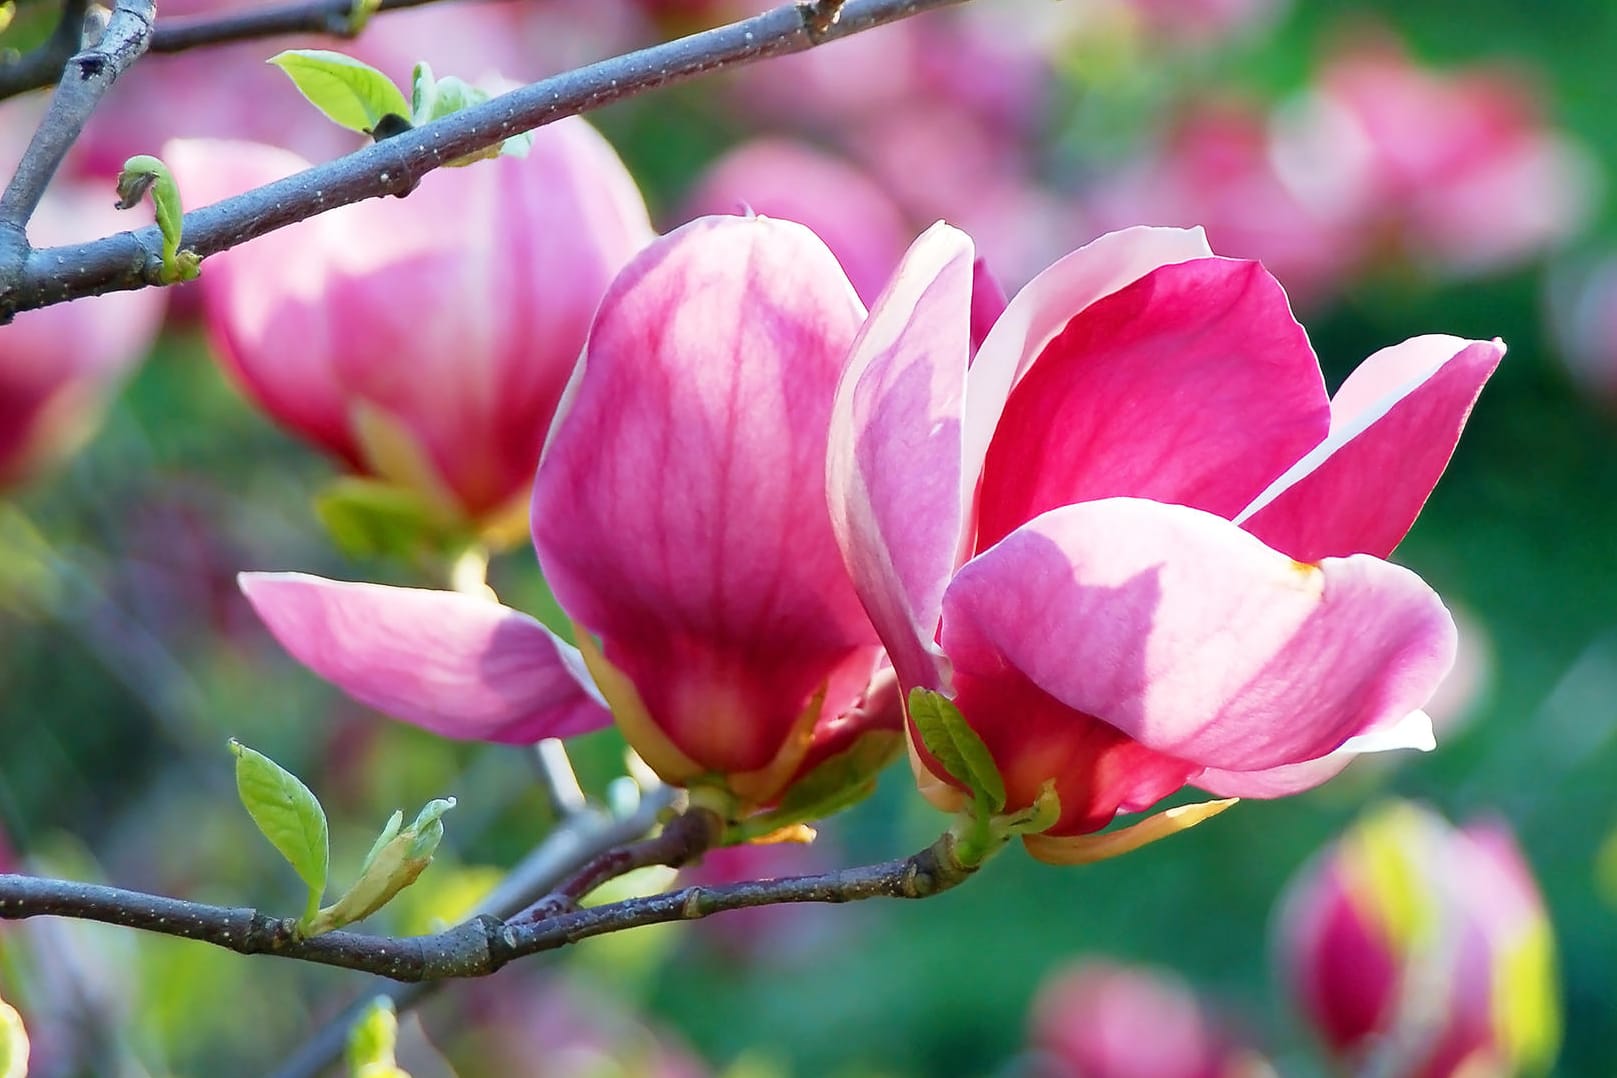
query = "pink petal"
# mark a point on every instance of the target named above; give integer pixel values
(1413, 731)
(1192, 385)
(894, 472)
(987, 302)
(1394, 425)
(459, 666)
(680, 512)
(1049, 301)
(1193, 638)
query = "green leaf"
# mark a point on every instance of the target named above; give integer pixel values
(372, 1041)
(367, 518)
(144, 173)
(397, 857)
(288, 815)
(955, 745)
(13, 1043)
(350, 93)
(433, 98)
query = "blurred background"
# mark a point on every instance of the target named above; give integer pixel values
(1403, 168)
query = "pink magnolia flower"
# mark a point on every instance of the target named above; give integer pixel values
(1419, 950)
(59, 366)
(794, 182)
(1133, 539)
(428, 343)
(1099, 1019)
(680, 519)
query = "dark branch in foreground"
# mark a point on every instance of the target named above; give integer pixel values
(482, 945)
(394, 166)
(88, 75)
(329, 17)
(42, 65)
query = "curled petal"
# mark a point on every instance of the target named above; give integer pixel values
(1193, 385)
(894, 471)
(680, 513)
(1394, 425)
(1087, 849)
(454, 664)
(1193, 638)
(1048, 302)
(1413, 731)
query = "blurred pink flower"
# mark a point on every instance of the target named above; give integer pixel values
(1099, 1019)
(1070, 533)
(1582, 310)
(59, 366)
(1458, 170)
(425, 342)
(1203, 22)
(794, 182)
(1417, 950)
(679, 517)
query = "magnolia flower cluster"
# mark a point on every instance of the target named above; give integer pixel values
(1117, 524)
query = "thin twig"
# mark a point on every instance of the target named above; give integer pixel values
(42, 65)
(558, 778)
(566, 851)
(330, 17)
(395, 165)
(481, 945)
(87, 76)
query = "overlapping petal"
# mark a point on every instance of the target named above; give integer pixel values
(1193, 638)
(1394, 425)
(1192, 385)
(894, 476)
(680, 511)
(454, 664)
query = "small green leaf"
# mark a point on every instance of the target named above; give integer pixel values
(394, 822)
(360, 13)
(955, 745)
(144, 173)
(288, 815)
(396, 859)
(372, 1041)
(13, 1043)
(367, 518)
(432, 98)
(351, 94)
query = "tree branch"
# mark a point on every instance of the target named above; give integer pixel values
(87, 76)
(394, 166)
(331, 17)
(479, 946)
(42, 66)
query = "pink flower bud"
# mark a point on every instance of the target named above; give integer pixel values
(427, 341)
(1099, 1019)
(1418, 950)
(1133, 539)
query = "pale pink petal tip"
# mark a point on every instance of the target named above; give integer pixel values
(457, 665)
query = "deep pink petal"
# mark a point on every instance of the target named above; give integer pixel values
(1048, 302)
(680, 511)
(1193, 638)
(1192, 385)
(894, 472)
(459, 666)
(987, 302)
(1394, 425)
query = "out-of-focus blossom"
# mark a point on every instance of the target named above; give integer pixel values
(1458, 172)
(1418, 950)
(60, 365)
(1583, 315)
(563, 1029)
(1100, 1019)
(1133, 539)
(680, 519)
(425, 343)
(1203, 22)
(793, 182)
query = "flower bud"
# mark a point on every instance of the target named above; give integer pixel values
(1419, 950)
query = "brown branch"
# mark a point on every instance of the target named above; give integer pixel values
(394, 166)
(88, 75)
(479, 946)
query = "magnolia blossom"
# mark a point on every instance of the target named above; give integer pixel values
(1133, 539)
(1418, 950)
(1100, 1019)
(680, 519)
(426, 344)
